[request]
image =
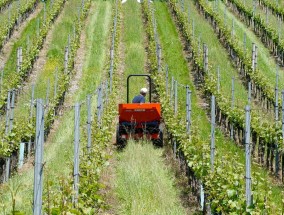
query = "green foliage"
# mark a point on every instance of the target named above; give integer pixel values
(270, 33)
(9, 24)
(3, 3)
(224, 186)
(274, 7)
(91, 163)
(23, 132)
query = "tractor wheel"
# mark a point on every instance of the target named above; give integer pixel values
(121, 143)
(159, 142)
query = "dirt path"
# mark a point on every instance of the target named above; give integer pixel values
(7, 48)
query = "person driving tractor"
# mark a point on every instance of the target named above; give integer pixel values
(141, 97)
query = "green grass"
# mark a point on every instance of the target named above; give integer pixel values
(58, 153)
(144, 185)
(173, 56)
(135, 56)
(266, 62)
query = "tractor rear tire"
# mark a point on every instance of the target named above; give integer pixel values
(121, 143)
(160, 141)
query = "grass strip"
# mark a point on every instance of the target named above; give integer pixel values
(135, 56)
(270, 35)
(143, 184)
(24, 130)
(259, 127)
(92, 162)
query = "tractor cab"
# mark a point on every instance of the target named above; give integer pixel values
(139, 120)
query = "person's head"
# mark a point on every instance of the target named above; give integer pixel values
(143, 91)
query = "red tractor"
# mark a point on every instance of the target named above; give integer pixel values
(139, 121)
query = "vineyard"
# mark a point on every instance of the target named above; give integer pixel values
(217, 70)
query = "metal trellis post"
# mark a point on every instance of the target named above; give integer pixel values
(176, 98)
(76, 153)
(38, 169)
(248, 157)
(89, 130)
(212, 145)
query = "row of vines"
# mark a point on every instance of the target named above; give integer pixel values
(14, 17)
(224, 187)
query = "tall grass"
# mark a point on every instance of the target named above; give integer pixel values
(144, 185)
(135, 56)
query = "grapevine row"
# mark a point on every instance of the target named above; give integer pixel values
(14, 18)
(4, 3)
(224, 188)
(265, 134)
(267, 33)
(89, 199)
(274, 7)
(22, 131)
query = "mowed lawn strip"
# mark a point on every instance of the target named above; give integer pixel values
(173, 56)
